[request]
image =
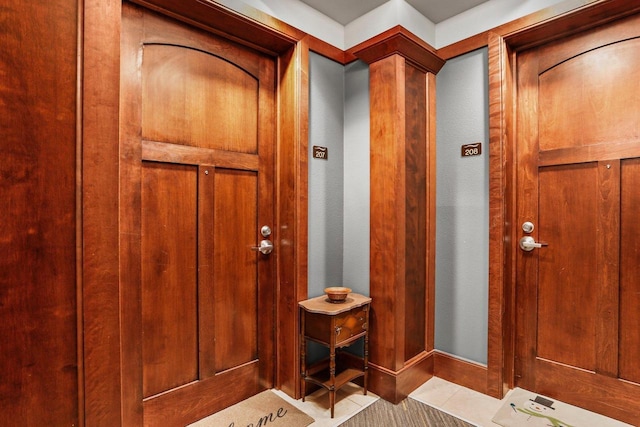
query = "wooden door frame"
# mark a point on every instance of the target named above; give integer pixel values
(504, 44)
(110, 380)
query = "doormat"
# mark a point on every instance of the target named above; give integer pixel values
(409, 412)
(523, 408)
(263, 409)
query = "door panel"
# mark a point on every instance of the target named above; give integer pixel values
(577, 154)
(236, 294)
(567, 279)
(195, 98)
(198, 134)
(630, 271)
(604, 82)
(169, 276)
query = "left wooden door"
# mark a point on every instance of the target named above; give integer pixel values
(197, 148)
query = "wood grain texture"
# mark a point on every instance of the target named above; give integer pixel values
(402, 160)
(462, 372)
(38, 298)
(567, 17)
(558, 21)
(250, 26)
(182, 102)
(235, 296)
(399, 40)
(206, 199)
(500, 350)
(329, 51)
(525, 266)
(220, 331)
(416, 196)
(467, 45)
(394, 386)
(564, 19)
(608, 240)
(100, 230)
(387, 276)
(629, 271)
(571, 292)
(589, 390)
(430, 230)
(291, 209)
(606, 90)
(169, 280)
(567, 285)
(186, 405)
(130, 219)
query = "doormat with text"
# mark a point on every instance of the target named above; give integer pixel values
(263, 409)
(525, 409)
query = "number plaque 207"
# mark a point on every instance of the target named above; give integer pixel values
(471, 149)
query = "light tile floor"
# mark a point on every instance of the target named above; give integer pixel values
(468, 405)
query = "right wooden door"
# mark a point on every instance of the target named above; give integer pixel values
(578, 184)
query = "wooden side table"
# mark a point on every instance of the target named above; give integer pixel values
(334, 325)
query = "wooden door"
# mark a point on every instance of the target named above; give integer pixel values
(197, 144)
(578, 182)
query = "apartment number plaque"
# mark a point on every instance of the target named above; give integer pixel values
(320, 152)
(469, 150)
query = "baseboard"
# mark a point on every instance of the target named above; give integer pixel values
(462, 372)
(395, 386)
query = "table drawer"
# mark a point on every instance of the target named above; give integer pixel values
(351, 323)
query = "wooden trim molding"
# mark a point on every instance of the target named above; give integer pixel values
(250, 27)
(401, 41)
(291, 211)
(556, 21)
(100, 76)
(395, 386)
(461, 372)
(500, 351)
(329, 51)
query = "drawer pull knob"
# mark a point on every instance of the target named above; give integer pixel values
(364, 326)
(338, 329)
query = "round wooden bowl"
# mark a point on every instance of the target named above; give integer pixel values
(337, 293)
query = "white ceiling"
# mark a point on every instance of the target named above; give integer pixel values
(345, 11)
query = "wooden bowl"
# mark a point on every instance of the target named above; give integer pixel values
(337, 293)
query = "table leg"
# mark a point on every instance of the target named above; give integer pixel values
(366, 352)
(303, 356)
(332, 374)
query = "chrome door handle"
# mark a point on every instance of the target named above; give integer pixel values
(528, 243)
(265, 248)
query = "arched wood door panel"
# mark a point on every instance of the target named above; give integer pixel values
(195, 98)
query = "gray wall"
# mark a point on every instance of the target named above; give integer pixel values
(339, 186)
(339, 193)
(326, 124)
(356, 177)
(462, 208)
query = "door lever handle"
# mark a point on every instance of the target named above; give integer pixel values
(528, 243)
(265, 248)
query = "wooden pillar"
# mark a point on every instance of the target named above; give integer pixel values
(402, 72)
